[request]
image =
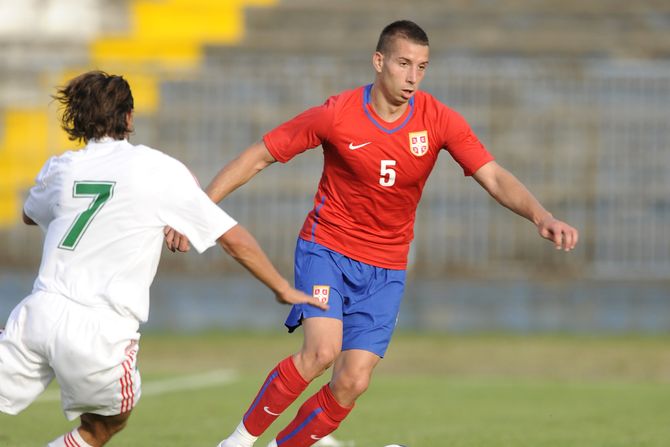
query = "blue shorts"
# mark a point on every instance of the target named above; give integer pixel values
(366, 298)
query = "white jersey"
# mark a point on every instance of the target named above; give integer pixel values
(103, 210)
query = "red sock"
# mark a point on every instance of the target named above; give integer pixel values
(282, 386)
(319, 416)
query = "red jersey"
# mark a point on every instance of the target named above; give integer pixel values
(374, 171)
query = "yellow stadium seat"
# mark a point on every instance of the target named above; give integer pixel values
(167, 34)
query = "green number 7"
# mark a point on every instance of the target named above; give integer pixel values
(101, 193)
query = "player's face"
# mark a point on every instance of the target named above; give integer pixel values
(401, 70)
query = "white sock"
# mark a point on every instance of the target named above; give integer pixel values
(239, 438)
(72, 439)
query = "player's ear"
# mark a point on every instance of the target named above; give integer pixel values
(129, 121)
(377, 61)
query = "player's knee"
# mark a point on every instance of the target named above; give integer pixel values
(102, 428)
(352, 385)
(117, 426)
(325, 356)
(320, 359)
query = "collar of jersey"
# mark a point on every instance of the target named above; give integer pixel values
(103, 140)
(380, 126)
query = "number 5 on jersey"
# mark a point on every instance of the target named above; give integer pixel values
(101, 192)
(387, 173)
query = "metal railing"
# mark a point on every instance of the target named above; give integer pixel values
(590, 139)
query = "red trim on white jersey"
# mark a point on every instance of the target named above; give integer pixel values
(127, 391)
(70, 441)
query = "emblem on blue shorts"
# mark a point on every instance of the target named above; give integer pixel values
(321, 293)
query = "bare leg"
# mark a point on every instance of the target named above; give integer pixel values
(352, 374)
(98, 430)
(323, 412)
(321, 345)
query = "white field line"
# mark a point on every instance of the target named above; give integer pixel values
(171, 385)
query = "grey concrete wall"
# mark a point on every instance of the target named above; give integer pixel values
(452, 305)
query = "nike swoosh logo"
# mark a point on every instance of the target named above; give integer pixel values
(358, 146)
(267, 410)
(316, 438)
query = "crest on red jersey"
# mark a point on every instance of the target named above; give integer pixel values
(321, 293)
(418, 143)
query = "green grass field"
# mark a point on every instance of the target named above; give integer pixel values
(430, 391)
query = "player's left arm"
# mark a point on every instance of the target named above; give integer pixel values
(244, 248)
(503, 186)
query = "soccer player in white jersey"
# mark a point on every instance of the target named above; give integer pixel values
(103, 210)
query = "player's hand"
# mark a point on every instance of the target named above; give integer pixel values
(176, 241)
(293, 296)
(561, 234)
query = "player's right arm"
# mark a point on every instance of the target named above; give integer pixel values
(233, 175)
(239, 171)
(305, 131)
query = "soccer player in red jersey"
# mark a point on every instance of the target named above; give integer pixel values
(380, 143)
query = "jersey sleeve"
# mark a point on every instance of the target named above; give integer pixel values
(462, 143)
(305, 131)
(186, 208)
(42, 196)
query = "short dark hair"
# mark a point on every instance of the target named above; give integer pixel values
(95, 104)
(401, 28)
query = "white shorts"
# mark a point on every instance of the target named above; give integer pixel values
(91, 352)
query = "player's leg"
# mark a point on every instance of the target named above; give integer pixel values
(24, 369)
(352, 374)
(323, 412)
(95, 361)
(321, 345)
(315, 273)
(94, 431)
(370, 313)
